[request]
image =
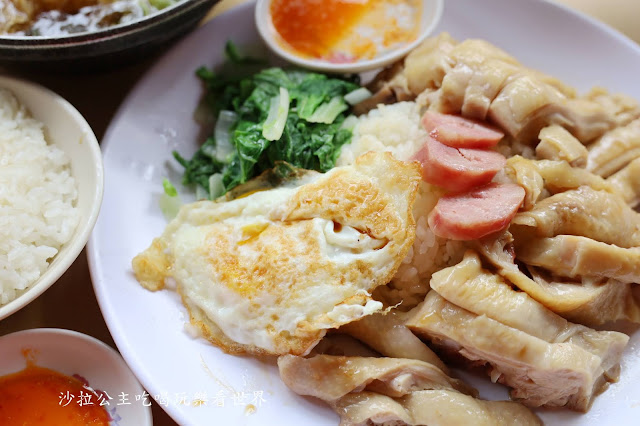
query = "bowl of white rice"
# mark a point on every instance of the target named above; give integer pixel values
(51, 183)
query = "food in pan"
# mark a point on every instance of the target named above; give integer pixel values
(54, 18)
(506, 271)
(37, 199)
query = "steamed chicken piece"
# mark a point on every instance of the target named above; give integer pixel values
(591, 302)
(556, 143)
(520, 100)
(475, 74)
(624, 108)
(523, 101)
(430, 407)
(527, 104)
(470, 287)
(270, 273)
(427, 64)
(575, 257)
(481, 292)
(365, 391)
(343, 345)
(396, 83)
(540, 373)
(466, 56)
(585, 301)
(481, 81)
(627, 182)
(449, 98)
(614, 150)
(387, 334)
(483, 86)
(331, 377)
(525, 174)
(545, 359)
(543, 177)
(573, 212)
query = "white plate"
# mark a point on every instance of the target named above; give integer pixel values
(157, 117)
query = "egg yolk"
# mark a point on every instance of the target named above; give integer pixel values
(39, 396)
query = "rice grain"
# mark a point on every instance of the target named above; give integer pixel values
(37, 199)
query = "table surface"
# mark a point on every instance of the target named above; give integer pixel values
(73, 290)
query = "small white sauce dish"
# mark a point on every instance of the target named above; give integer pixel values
(431, 14)
(67, 129)
(72, 353)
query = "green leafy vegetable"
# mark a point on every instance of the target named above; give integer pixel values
(216, 188)
(328, 111)
(277, 117)
(169, 201)
(267, 116)
(222, 134)
(161, 4)
(357, 96)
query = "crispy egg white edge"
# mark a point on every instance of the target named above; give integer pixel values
(234, 314)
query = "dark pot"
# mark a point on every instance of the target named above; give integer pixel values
(107, 48)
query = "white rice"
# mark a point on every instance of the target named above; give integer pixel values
(37, 199)
(396, 128)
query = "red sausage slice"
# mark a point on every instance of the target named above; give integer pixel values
(457, 169)
(459, 132)
(474, 214)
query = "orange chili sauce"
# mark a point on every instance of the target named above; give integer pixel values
(313, 27)
(33, 397)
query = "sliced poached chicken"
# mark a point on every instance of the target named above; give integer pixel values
(546, 360)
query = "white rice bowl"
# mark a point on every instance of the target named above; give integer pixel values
(38, 196)
(397, 129)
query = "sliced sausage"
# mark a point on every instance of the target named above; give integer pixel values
(457, 169)
(460, 132)
(474, 214)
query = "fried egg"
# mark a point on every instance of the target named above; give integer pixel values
(271, 272)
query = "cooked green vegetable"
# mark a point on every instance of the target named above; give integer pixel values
(267, 116)
(169, 189)
(328, 111)
(169, 201)
(357, 96)
(276, 119)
